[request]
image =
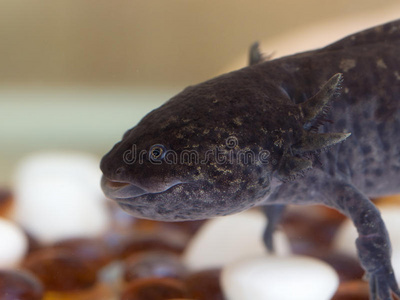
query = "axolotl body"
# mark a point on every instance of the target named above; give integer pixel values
(320, 127)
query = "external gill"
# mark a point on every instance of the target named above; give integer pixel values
(315, 109)
(295, 161)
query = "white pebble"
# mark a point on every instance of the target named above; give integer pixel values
(226, 239)
(279, 278)
(14, 244)
(58, 196)
(347, 235)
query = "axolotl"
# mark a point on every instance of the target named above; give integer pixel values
(319, 127)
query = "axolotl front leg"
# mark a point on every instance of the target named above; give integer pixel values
(373, 244)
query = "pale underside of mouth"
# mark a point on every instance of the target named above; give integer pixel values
(121, 190)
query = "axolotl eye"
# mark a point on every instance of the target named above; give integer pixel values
(157, 152)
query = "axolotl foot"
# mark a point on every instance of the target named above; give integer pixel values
(375, 258)
(382, 282)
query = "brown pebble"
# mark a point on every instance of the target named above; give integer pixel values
(387, 200)
(352, 290)
(205, 285)
(19, 285)
(93, 251)
(97, 292)
(6, 203)
(122, 245)
(60, 270)
(4, 194)
(154, 289)
(154, 264)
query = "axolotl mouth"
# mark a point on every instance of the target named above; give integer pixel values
(163, 204)
(119, 190)
(129, 193)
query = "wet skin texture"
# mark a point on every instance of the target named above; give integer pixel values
(292, 117)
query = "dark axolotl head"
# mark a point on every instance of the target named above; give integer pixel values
(204, 154)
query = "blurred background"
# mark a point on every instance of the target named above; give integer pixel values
(74, 75)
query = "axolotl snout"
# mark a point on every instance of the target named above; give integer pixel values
(316, 127)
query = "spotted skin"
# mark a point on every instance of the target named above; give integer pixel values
(266, 110)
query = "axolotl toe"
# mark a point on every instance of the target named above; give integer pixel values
(320, 127)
